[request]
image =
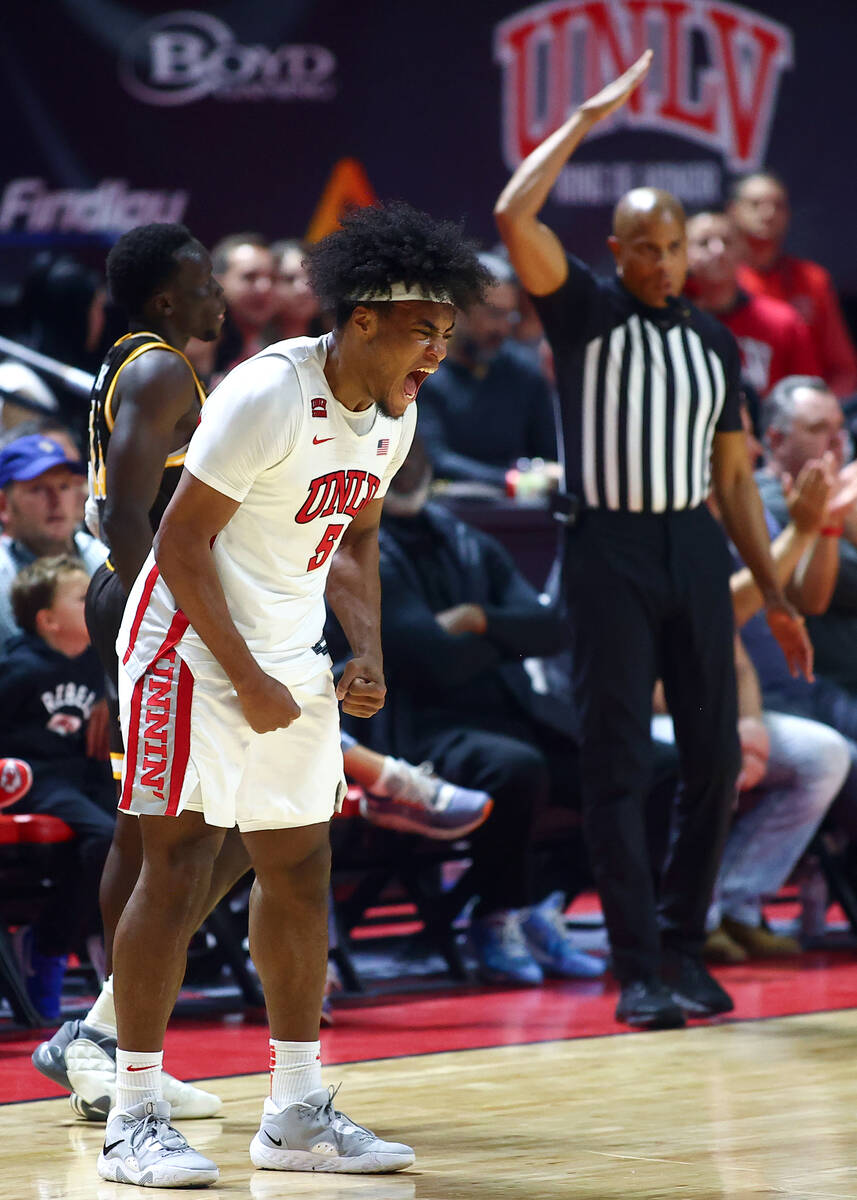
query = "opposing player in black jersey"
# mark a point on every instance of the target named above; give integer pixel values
(144, 406)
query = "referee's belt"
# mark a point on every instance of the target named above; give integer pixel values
(564, 507)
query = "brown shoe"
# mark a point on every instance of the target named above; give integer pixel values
(760, 942)
(721, 948)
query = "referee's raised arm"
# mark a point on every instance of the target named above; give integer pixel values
(535, 250)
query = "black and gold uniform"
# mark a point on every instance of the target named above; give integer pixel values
(105, 598)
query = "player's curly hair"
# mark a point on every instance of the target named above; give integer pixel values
(143, 261)
(394, 243)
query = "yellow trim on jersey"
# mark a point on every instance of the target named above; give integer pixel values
(116, 762)
(158, 343)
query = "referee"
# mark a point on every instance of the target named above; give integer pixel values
(649, 396)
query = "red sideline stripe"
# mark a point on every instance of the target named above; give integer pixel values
(181, 736)
(151, 580)
(133, 739)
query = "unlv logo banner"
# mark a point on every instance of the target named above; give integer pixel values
(714, 83)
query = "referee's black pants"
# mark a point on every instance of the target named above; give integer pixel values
(648, 598)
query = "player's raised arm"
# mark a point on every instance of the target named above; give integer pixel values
(535, 250)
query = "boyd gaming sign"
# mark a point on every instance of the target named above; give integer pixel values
(190, 55)
(713, 83)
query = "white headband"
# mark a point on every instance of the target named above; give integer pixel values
(401, 291)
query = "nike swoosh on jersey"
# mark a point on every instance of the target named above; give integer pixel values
(316, 441)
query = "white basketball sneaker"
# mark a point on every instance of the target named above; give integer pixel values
(143, 1148)
(312, 1136)
(84, 1061)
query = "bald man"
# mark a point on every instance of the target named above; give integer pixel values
(650, 401)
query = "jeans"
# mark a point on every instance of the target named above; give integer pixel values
(806, 768)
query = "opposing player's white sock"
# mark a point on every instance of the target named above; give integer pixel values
(102, 1015)
(138, 1077)
(295, 1070)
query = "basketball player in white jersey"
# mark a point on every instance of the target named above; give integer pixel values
(228, 707)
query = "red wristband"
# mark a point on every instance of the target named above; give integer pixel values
(831, 531)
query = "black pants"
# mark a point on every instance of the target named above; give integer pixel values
(648, 598)
(87, 803)
(526, 768)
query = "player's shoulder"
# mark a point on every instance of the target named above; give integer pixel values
(158, 365)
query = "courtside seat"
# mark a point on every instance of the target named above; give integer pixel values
(33, 829)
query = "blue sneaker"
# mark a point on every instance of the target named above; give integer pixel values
(501, 950)
(422, 802)
(550, 944)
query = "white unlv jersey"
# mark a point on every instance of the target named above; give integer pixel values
(272, 436)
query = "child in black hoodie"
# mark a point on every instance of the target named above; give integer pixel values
(50, 680)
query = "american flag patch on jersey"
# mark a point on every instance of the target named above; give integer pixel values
(383, 445)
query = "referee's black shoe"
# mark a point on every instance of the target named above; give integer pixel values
(647, 1004)
(693, 988)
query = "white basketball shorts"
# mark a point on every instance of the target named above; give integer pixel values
(188, 746)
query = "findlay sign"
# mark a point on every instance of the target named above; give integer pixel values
(714, 83)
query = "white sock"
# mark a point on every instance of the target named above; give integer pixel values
(102, 1015)
(138, 1077)
(388, 781)
(295, 1070)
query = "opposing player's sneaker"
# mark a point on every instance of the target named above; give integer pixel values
(551, 945)
(50, 1059)
(312, 1135)
(142, 1147)
(83, 1060)
(422, 802)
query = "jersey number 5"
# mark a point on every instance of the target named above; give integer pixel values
(324, 549)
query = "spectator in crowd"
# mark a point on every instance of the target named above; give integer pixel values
(773, 338)
(488, 405)
(791, 770)
(50, 683)
(296, 313)
(803, 422)
(23, 393)
(41, 508)
(807, 561)
(244, 265)
(458, 621)
(759, 205)
(649, 394)
(62, 309)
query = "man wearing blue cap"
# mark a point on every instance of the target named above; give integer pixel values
(41, 510)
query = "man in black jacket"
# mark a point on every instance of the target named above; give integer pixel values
(459, 620)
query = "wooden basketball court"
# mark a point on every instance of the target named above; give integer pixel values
(764, 1108)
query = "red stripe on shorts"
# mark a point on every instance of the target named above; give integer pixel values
(133, 740)
(181, 737)
(151, 580)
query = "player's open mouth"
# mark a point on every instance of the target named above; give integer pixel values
(413, 383)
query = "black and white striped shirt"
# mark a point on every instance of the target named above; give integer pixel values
(642, 392)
